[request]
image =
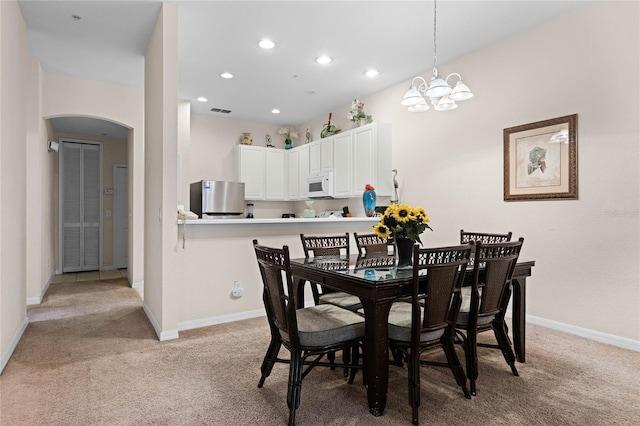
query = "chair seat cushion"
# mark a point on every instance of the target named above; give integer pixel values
(325, 325)
(465, 307)
(400, 324)
(339, 298)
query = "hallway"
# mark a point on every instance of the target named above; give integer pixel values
(72, 277)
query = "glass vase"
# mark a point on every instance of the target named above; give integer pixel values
(288, 144)
(405, 252)
(369, 202)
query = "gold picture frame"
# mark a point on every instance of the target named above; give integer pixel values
(540, 160)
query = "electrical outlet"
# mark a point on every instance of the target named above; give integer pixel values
(237, 291)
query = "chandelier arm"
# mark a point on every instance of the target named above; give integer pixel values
(453, 74)
(422, 88)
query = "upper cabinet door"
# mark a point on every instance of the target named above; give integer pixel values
(250, 169)
(275, 173)
(293, 178)
(342, 165)
(303, 170)
(326, 154)
(372, 158)
(315, 159)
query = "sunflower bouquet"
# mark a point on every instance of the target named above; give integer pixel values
(402, 221)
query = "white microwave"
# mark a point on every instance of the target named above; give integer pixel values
(320, 185)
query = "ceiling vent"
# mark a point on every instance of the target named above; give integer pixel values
(220, 110)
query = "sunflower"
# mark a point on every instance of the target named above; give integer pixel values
(402, 221)
(403, 213)
(382, 231)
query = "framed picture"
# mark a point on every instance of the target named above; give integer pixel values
(540, 160)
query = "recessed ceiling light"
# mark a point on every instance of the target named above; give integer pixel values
(202, 99)
(324, 60)
(275, 111)
(371, 73)
(266, 44)
(226, 75)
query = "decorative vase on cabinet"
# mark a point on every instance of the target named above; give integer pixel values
(369, 200)
(288, 144)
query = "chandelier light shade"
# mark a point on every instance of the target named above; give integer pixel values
(440, 93)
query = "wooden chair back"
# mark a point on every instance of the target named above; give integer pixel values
(483, 237)
(436, 295)
(329, 245)
(372, 244)
(492, 272)
(279, 290)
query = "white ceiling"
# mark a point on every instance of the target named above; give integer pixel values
(394, 37)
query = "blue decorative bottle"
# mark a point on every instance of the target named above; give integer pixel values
(369, 200)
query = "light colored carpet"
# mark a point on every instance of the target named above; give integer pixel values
(90, 357)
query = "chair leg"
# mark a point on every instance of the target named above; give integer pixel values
(355, 358)
(346, 359)
(471, 359)
(413, 367)
(456, 367)
(502, 337)
(270, 358)
(293, 391)
(331, 356)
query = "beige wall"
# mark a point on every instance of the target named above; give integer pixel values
(16, 75)
(71, 96)
(114, 151)
(163, 262)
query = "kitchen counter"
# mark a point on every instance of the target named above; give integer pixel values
(283, 221)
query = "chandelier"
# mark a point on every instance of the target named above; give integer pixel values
(439, 92)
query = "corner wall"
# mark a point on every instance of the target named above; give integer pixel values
(14, 82)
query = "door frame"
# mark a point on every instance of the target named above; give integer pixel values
(61, 201)
(115, 208)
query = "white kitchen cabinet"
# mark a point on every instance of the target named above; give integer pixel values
(372, 159)
(315, 157)
(275, 174)
(293, 175)
(250, 169)
(342, 165)
(356, 157)
(303, 170)
(321, 155)
(326, 154)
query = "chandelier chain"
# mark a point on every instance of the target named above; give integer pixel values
(435, 52)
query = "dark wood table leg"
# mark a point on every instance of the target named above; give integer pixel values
(300, 294)
(376, 355)
(518, 316)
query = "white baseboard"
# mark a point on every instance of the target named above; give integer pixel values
(4, 359)
(38, 299)
(137, 285)
(162, 335)
(205, 322)
(621, 342)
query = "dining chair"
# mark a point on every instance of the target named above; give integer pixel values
(329, 245)
(485, 307)
(483, 237)
(372, 244)
(307, 333)
(429, 319)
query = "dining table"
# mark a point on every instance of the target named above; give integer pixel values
(378, 282)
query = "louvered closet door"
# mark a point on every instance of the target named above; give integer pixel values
(81, 207)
